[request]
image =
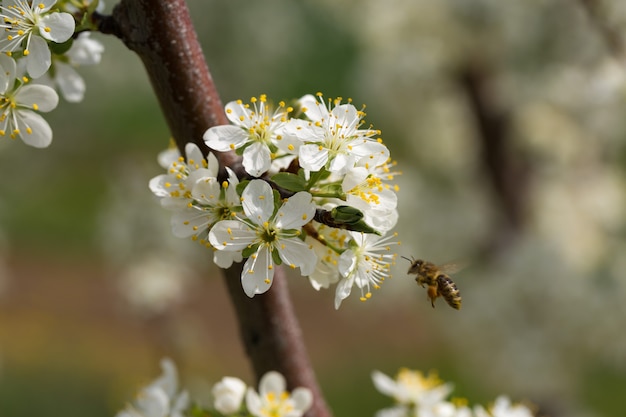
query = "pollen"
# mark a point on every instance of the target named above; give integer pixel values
(304, 216)
(292, 266)
(261, 197)
(270, 267)
(224, 184)
(267, 281)
(26, 52)
(41, 6)
(47, 29)
(290, 147)
(231, 146)
(35, 106)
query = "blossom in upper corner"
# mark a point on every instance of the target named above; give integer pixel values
(257, 131)
(366, 263)
(273, 399)
(19, 104)
(161, 398)
(84, 51)
(228, 395)
(332, 137)
(266, 235)
(28, 25)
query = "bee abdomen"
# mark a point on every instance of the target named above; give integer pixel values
(449, 291)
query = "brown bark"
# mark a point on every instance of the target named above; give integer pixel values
(162, 35)
(507, 171)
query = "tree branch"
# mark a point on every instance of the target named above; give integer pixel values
(162, 34)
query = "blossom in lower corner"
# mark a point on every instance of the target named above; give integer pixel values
(19, 107)
(267, 235)
(503, 407)
(366, 263)
(161, 398)
(228, 395)
(274, 400)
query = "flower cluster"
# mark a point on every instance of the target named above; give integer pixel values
(317, 195)
(417, 395)
(38, 55)
(231, 396)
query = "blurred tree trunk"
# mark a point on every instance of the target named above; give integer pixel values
(506, 170)
(162, 35)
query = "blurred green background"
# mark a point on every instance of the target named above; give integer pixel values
(507, 121)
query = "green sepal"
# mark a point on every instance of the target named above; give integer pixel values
(241, 186)
(290, 182)
(318, 176)
(60, 48)
(350, 218)
(333, 190)
(249, 251)
(346, 215)
(278, 201)
(276, 258)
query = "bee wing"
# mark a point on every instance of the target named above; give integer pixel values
(452, 267)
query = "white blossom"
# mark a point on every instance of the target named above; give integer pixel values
(228, 395)
(257, 130)
(19, 107)
(267, 234)
(274, 400)
(28, 25)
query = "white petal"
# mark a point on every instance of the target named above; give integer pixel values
(84, 50)
(168, 380)
(253, 402)
(231, 235)
(42, 97)
(370, 152)
(272, 381)
(384, 383)
(353, 178)
(257, 200)
(257, 159)
(60, 25)
(313, 109)
(153, 402)
(296, 253)
(190, 221)
(41, 134)
(207, 191)
(343, 290)
(297, 211)
(312, 157)
(221, 138)
(71, 84)
(302, 398)
(238, 114)
(8, 68)
(256, 276)
(39, 59)
(341, 163)
(225, 259)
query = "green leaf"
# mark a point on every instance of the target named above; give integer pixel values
(290, 182)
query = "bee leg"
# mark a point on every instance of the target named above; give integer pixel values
(432, 294)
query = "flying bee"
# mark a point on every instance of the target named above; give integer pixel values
(438, 283)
